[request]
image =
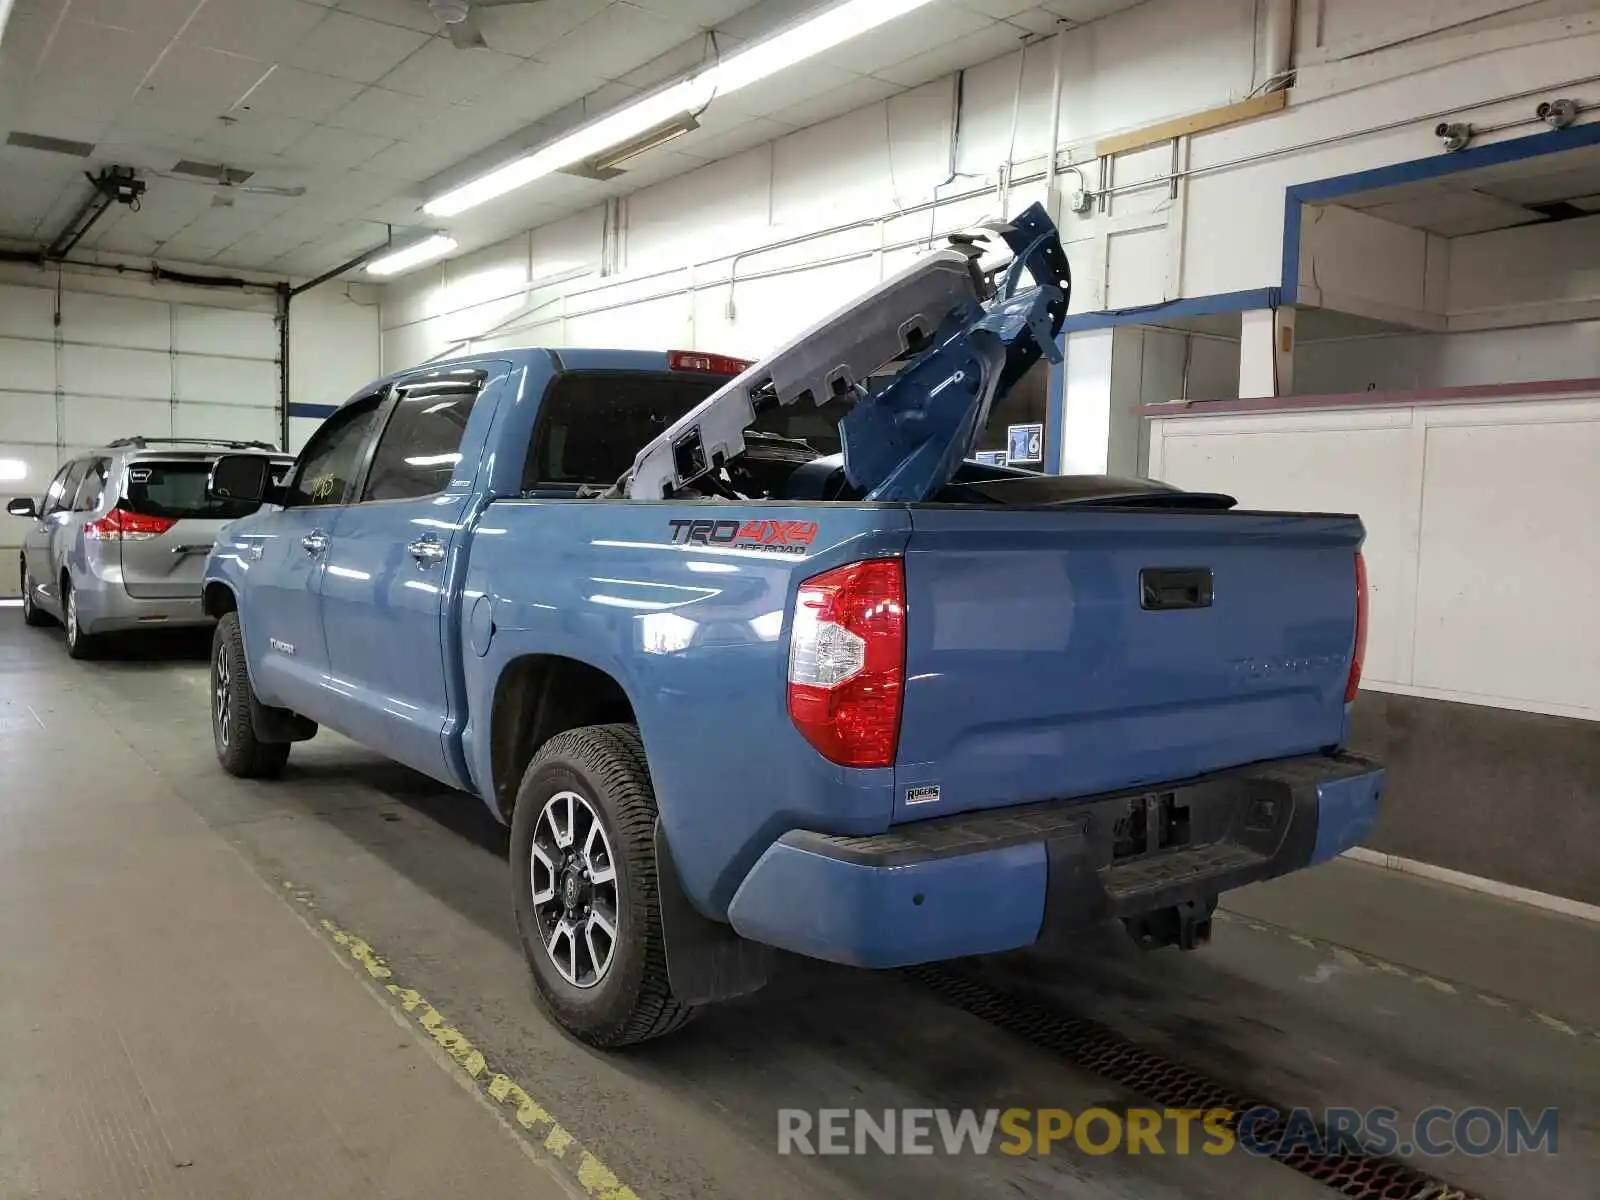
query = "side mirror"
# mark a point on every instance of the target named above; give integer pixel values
(23, 507)
(243, 478)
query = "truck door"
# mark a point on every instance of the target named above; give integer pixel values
(388, 566)
(283, 616)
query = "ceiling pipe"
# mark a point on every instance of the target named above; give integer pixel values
(1052, 200)
(1275, 58)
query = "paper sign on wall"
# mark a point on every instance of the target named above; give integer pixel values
(1025, 443)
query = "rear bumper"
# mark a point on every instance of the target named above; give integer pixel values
(986, 882)
(109, 609)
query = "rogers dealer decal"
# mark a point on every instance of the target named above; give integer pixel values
(774, 537)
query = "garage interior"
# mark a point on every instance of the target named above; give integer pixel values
(1332, 256)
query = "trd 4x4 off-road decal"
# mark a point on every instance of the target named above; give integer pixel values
(776, 537)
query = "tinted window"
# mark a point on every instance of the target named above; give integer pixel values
(328, 466)
(93, 487)
(177, 490)
(65, 489)
(52, 501)
(421, 445)
(594, 423)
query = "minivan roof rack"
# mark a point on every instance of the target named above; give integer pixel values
(141, 443)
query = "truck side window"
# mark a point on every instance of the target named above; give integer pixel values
(331, 462)
(421, 446)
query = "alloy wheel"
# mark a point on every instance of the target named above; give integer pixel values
(222, 697)
(575, 889)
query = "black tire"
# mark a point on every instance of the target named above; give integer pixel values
(80, 645)
(32, 614)
(632, 1000)
(239, 750)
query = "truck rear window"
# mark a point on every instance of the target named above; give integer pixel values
(177, 491)
(593, 423)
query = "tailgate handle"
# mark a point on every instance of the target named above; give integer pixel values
(1165, 588)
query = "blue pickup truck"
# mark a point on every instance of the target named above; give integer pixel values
(753, 657)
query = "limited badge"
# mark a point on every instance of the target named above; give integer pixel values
(927, 794)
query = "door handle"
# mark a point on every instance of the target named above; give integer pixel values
(314, 543)
(427, 551)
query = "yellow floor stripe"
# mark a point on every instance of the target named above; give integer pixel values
(596, 1179)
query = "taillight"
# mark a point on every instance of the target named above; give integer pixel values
(706, 364)
(847, 659)
(119, 525)
(1359, 657)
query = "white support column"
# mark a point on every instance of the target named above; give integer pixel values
(1086, 429)
(1266, 352)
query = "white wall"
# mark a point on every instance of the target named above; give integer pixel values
(665, 281)
(1357, 263)
(1479, 532)
(1530, 273)
(1434, 360)
(333, 349)
(1234, 229)
(89, 356)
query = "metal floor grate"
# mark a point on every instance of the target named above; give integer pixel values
(1095, 1048)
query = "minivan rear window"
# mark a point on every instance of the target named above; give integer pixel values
(594, 423)
(177, 490)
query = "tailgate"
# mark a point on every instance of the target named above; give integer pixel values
(1067, 653)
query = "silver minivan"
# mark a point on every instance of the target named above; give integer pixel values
(121, 535)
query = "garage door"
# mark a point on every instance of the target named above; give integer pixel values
(117, 366)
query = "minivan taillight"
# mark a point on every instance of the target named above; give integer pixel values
(847, 661)
(1359, 657)
(119, 525)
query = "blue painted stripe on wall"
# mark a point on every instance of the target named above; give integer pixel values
(1433, 167)
(1194, 306)
(315, 411)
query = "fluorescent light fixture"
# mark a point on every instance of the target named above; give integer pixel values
(659, 110)
(807, 40)
(12, 470)
(633, 121)
(655, 139)
(413, 255)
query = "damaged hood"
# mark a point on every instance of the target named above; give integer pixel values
(963, 337)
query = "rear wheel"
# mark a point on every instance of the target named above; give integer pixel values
(32, 614)
(240, 751)
(80, 645)
(584, 887)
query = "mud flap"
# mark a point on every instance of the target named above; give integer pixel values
(279, 724)
(706, 960)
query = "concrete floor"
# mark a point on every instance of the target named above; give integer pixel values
(172, 1027)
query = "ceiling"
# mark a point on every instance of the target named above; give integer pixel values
(366, 105)
(1549, 187)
